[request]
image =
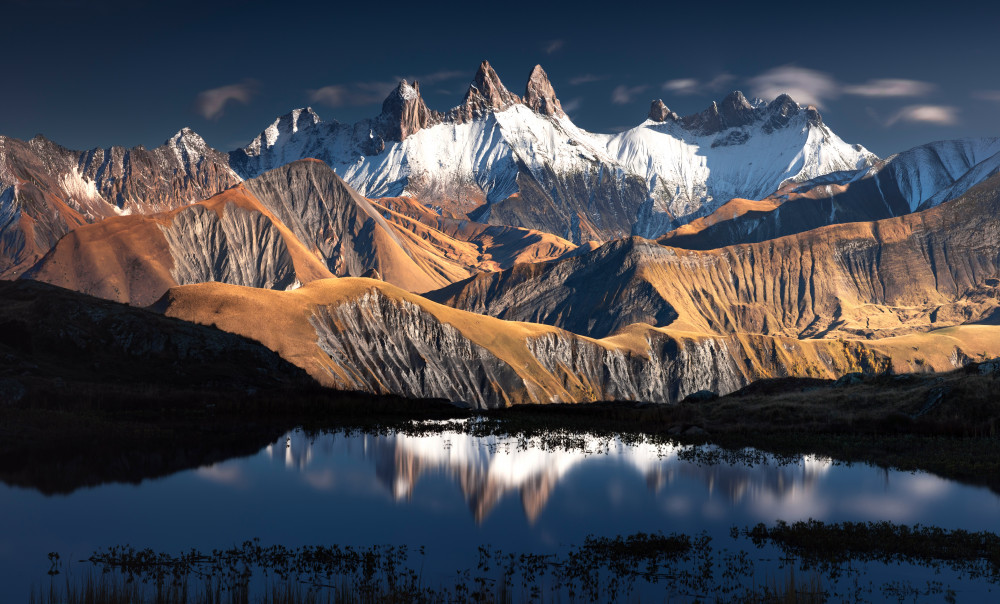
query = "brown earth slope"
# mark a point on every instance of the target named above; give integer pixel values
(286, 227)
(905, 275)
(362, 334)
(47, 190)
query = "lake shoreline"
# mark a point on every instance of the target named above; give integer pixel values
(66, 437)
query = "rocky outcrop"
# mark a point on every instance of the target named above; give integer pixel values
(486, 93)
(735, 111)
(666, 371)
(396, 347)
(540, 96)
(404, 112)
(659, 112)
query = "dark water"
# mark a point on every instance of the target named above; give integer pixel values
(452, 492)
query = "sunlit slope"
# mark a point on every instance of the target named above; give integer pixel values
(289, 226)
(931, 269)
(368, 335)
(135, 258)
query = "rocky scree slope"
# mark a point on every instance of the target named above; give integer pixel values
(367, 335)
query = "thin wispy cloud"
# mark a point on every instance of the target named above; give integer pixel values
(586, 79)
(623, 95)
(891, 87)
(806, 86)
(368, 93)
(438, 76)
(939, 115)
(688, 86)
(554, 45)
(813, 87)
(572, 105)
(682, 86)
(987, 95)
(211, 104)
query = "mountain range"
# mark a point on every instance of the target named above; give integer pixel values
(495, 253)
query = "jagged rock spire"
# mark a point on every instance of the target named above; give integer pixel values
(736, 111)
(659, 112)
(486, 93)
(404, 112)
(539, 94)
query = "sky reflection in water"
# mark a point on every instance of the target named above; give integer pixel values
(453, 492)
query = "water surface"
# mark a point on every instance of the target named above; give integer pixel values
(453, 492)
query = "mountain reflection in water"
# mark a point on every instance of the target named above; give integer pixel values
(487, 469)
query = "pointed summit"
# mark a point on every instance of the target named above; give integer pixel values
(188, 147)
(486, 93)
(404, 112)
(736, 110)
(539, 94)
(707, 122)
(659, 112)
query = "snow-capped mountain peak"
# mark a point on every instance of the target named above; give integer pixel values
(521, 161)
(188, 147)
(287, 124)
(734, 148)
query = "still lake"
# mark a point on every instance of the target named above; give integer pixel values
(452, 492)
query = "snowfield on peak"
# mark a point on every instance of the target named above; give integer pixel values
(690, 175)
(931, 174)
(536, 163)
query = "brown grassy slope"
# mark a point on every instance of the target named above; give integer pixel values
(127, 258)
(932, 269)
(283, 321)
(486, 246)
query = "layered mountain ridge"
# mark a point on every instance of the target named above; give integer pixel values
(496, 254)
(289, 226)
(917, 179)
(520, 161)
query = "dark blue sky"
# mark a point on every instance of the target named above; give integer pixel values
(109, 72)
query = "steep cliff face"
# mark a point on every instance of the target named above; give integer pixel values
(46, 190)
(240, 246)
(382, 345)
(934, 268)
